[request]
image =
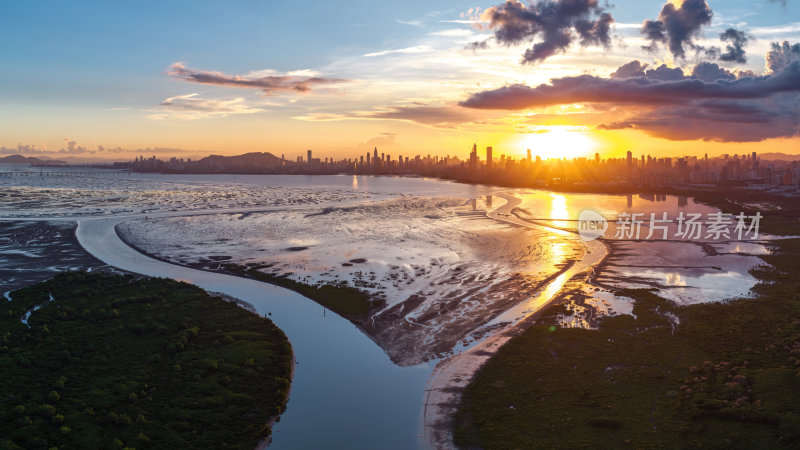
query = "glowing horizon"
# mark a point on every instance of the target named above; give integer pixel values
(407, 79)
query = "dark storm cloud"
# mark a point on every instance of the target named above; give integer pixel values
(717, 120)
(711, 103)
(734, 51)
(708, 72)
(555, 23)
(269, 84)
(664, 73)
(632, 69)
(655, 32)
(676, 27)
(781, 55)
(653, 89)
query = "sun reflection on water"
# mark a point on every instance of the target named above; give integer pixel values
(675, 279)
(558, 210)
(559, 250)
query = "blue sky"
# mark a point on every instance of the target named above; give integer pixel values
(98, 72)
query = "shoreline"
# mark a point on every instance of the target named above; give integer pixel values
(264, 443)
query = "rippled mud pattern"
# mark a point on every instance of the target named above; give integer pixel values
(442, 268)
(31, 252)
(36, 196)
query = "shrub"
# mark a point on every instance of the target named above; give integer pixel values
(605, 422)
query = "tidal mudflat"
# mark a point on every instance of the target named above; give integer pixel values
(442, 268)
(35, 251)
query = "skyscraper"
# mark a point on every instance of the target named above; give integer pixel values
(529, 155)
(488, 157)
(630, 160)
(473, 157)
(309, 157)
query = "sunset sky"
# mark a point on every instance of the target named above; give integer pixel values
(94, 79)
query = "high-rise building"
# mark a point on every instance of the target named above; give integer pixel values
(473, 157)
(375, 155)
(529, 155)
(488, 157)
(630, 160)
(309, 157)
(755, 161)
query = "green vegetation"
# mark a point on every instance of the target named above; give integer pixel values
(348, 301)
(124, 362)
(727, 377)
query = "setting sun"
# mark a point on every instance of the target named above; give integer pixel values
(560, 141)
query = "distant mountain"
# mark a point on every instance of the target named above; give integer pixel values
(247, 163)
(27, 160)
(773, 156)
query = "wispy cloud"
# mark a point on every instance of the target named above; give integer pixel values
(268, 81)
(434, 115)
(790, 28)
(192, 106)
(407, 50)
(453, 32)
(413, 23)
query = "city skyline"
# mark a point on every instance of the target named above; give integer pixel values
(590, 173)
(690, 77)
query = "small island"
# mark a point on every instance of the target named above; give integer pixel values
(111, 361)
